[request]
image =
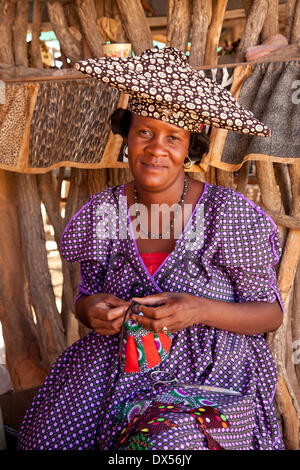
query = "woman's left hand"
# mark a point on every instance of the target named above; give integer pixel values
(172, 310)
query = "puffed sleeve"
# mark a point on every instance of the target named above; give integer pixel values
(81, 243)
(249, 248)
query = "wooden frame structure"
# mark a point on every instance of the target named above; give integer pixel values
(34, 341)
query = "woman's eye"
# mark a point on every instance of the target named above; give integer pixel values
(173, 138)
(144, 132)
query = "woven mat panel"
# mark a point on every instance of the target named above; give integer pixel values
(48, 124)
(272, 92)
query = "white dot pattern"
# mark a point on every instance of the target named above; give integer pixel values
(235, 264)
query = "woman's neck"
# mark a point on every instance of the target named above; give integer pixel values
(169, 195)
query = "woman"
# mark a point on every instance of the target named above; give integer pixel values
(202, 281)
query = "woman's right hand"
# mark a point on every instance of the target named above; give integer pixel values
(102, 313)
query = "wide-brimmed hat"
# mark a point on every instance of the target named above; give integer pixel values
(162, 85)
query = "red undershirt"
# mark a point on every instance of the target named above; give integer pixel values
(152, 261)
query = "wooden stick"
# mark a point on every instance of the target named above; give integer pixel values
(223, 178)
(201, 19)
(294, 172)
(35, 30)
(99, 5)
(26, 365)
(289, 17)
(20, 33)
(108, 8)
(295, 33)
(285, 220)
(243, 175)
(253, 27)
(179, 23)
(34, 249)
(295, 324)
(68, 44)
(214, 32)
(271, 24)
(72, 17)
(291, 420)
(288, 389)
(270, 194)
(135, 25)
(121, 34)
(88, 19)
(51, 201)
(247, 4)
(7, 15)
(283, 179)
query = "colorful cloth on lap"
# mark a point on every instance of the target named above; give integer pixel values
(152, 423)
(142, 349)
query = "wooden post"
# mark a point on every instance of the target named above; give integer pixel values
(99, 5)
(289, 17)
(68, 44)
(243, 175)
(271, 24)
(7, 16)
(254, 25)
(295, 32)
(20, 33)
(26, 364)
(217, 176)
(283, 180)
(201, 20)
(280, 347)
(296, 322)
(49, 323)
(270, 194)
(35, 40)
(88, 19)
(47, 186)
(135, 25)
(214, 32)
(179, 23)
(247, 4)
(121, 34)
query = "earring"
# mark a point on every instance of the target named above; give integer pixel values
(187, 164)
(125, 153)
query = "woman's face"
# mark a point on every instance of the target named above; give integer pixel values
(156, 152)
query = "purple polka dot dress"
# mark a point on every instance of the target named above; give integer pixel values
(227, 252)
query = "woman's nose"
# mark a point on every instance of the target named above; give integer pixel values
(157, 146)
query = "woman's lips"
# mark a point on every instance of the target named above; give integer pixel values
(153, 166)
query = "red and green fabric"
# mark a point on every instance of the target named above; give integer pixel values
(142, 349)
(154, 421)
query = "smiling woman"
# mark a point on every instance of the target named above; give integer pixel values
(193, 307)
(199, 143)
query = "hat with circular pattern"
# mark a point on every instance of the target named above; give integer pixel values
(162, 85)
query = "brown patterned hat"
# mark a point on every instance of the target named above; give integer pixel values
(162, 85)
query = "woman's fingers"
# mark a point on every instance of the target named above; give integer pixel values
(114, 301)
(116, 312)
(108, 319)
(155, 324)
(105, 311)
(152, 299)
(157, 312)
(109, 328)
